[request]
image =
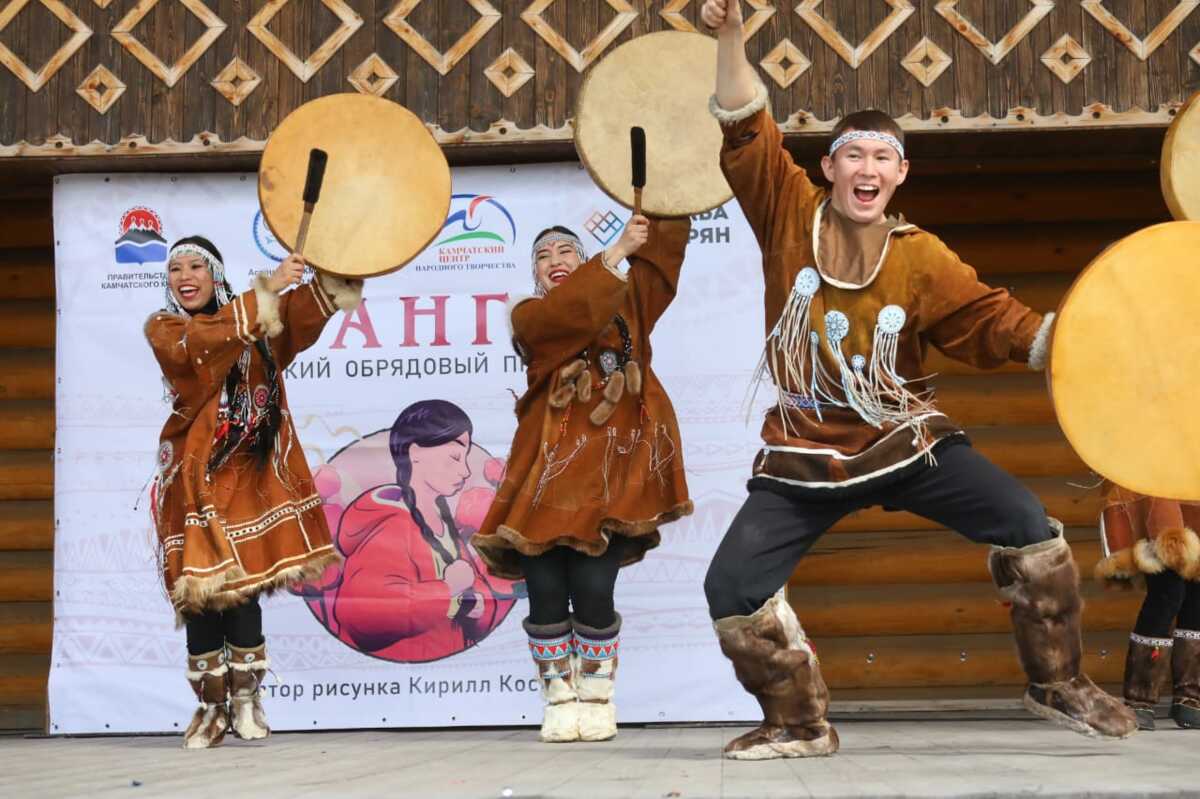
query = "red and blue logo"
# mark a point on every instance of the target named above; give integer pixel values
(141, 240)
(477, 218)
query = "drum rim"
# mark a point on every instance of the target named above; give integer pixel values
(367, 99)
(1056, 400)
(1166, 180)
(583, 93)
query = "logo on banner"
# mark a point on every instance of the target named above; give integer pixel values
(604, 226)
(475, 236)
(265, 240)
(141, 240)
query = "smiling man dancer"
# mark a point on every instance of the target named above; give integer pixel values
(853, 299)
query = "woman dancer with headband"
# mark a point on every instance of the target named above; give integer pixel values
(596, 465)
(233, 502)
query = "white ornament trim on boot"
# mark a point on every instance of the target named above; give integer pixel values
(1190, 635)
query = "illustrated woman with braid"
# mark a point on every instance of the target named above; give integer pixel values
(411, 588)
(596, 465)
(234, 506)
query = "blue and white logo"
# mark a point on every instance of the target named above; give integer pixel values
(265, 240)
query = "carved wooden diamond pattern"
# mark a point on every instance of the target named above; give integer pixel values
(123, 33)
(350, 22)
(995, 51)
(854, 56)
(785, 63)
(1142, 48)
(80, 33)
(1066, 58)
(373, 76)
(442, 62)
(672, 12)
(103, 3)
(581, 60)
(509, 72)
(100, 89)
(926, 62)
(236, 81)
(1195, 53)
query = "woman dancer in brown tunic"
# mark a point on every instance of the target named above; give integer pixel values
(596, 464)
(233, 502)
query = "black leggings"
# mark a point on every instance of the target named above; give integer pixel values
(562, 580)
(771, 533)
(240, 626)
(1170, 601)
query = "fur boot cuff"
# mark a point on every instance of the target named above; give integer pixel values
(756, 104)
(269, 321)
(1039, 351)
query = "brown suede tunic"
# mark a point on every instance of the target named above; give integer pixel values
(1142, 534)
(229, 534)
(570, 481)
(827, 434)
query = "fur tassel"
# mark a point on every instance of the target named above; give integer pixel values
(615, 388)
(756, 104)
(1039, 351)
(562, 396)
(1179, 550)
(1145, 557)
(1117, 567)
(633, 378)
(345, 293)
(268, 307)
(572, 370)
(583, 386)
(602, 412)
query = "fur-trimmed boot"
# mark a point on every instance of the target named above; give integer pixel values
(595, 663)
(550, 645)
(1146, 668)
(1041, 582)
(209, 678)
(248, 667)
(1185, 671)
(775, 662)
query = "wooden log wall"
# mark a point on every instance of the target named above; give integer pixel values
(128, 77)
(26, 452)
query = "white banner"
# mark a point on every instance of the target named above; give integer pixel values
(435, 330)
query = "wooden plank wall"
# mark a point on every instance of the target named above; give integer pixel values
(26, 452)
(899, 609)
(998, 72)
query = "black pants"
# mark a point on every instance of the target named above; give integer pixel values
(562, 580)
(240, 626)
(1170, 601)
(964, 491)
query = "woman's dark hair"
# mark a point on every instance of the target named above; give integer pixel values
(428, 423)
(264, 436)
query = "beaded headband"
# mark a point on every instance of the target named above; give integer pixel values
(215, 267)
(550, 238)
(873, 135)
